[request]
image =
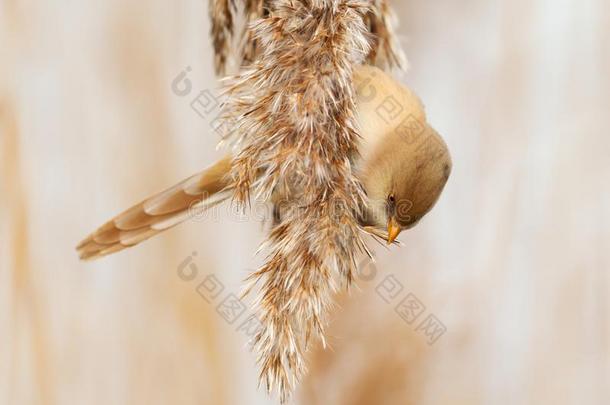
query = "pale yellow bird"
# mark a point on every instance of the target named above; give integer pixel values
(403, 165)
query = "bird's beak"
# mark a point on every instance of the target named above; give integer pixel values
(393, 230)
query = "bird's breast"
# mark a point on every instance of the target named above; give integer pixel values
(384, 107)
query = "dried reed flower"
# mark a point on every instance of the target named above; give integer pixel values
(253, 10)
(293, 111)
(385, 49)
(221, 16)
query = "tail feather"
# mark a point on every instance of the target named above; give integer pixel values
(159, 212)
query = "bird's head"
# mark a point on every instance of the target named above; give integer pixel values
(405, 179)
(405, 162)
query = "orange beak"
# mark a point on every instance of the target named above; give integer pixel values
(393, 230)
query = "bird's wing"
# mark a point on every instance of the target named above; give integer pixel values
(159, 212)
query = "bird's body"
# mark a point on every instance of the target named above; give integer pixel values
(402, 163)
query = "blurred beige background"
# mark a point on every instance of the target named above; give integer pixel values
(513, 261)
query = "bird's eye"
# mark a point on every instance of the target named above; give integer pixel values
(391, 198)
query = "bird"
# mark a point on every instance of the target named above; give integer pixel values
(402, 163)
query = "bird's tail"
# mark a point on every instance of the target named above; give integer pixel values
(159, 212)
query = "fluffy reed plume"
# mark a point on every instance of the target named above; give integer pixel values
(385, 50)
(221, 16)
(253, 10)
(293, 113)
